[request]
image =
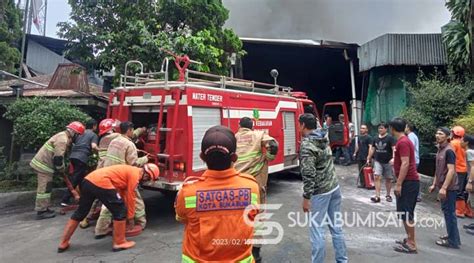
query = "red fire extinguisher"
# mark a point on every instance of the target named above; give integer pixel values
(368, 177)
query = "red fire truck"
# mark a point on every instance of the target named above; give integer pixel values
(177, 113)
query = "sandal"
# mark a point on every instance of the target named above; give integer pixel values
(388, 198)
(375, 199)
(445, 237)
(405, 248)
(445, 243)
(401, 242)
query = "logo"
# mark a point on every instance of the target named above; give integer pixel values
(265, 229)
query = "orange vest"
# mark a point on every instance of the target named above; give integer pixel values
(123, 178)
(212, 207)
(461, 165)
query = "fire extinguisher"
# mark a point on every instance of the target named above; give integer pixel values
(368, 173)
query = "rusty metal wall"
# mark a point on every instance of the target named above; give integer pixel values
(402, 49)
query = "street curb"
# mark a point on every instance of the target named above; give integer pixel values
(26, 198)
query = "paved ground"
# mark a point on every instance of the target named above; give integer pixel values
(26, 240)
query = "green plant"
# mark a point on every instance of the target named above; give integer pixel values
(457, 36)
(435, 101)
(10, 33)
(107, 34)
(467, 119)
(35, 120)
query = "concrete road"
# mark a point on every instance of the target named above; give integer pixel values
(24, 239)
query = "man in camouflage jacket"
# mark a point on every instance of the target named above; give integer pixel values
(321, 192)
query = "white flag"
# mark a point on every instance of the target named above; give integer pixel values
(36, 6)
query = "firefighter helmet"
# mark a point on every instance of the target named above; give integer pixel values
(105, 126)
(458, 131)
(152, 170)
(76, 127)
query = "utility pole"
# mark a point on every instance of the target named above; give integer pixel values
(23, 40)
(45, 15)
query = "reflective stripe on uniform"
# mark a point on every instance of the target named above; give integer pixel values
(43, 196)
(115, 158)
(257, 167)
(190, 201)
(42, 166)
(49, 147)
(139, 214)
(186, 259)
(102, 153)
(270, 156)
(248, 259)
(254, 199)
(248, 156)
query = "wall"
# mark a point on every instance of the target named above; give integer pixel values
(42, 60)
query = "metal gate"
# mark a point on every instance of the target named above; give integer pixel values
(203, 119)
(289, 133)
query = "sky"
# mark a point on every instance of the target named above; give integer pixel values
(350, 21)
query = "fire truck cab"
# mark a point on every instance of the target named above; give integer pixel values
(177, 114)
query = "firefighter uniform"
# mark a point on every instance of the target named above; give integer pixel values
(104, 143)
(43, 164)
(122, 151)
(254, 155)
(212, 207)
(115, 187)
(103, 146)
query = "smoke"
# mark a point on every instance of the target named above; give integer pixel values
(350, 21)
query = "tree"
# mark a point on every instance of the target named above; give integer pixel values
(435, 101)
(457, 35)
(35, 120)
(106, 34)
(10, 34)
(467, 119)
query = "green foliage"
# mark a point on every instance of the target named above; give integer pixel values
(107, 34)
(10, 34)
(467, 119)
(37, 119)
(457, 37)
(435, 101)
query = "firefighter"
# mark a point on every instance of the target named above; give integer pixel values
(254, 150)
(49, 161)
(457, 133)
(115, 187)
(213, 206)
(122, 151)
(107, 133)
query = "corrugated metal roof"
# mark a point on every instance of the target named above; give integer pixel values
(402, 49)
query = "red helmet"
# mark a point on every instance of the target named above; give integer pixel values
(458, 131)
(152, 170)
(77, 127)
(105, 126)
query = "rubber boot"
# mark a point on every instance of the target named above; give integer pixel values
(120, 243)
(460, 207)
(68, 231)
(256, 254)
(468, 211)
(45, 214)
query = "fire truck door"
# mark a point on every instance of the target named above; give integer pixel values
(338, 129)
(203, 119)
(289, 133)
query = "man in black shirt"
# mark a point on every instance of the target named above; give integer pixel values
(362, 151)
(80, 153)
(382, 150)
